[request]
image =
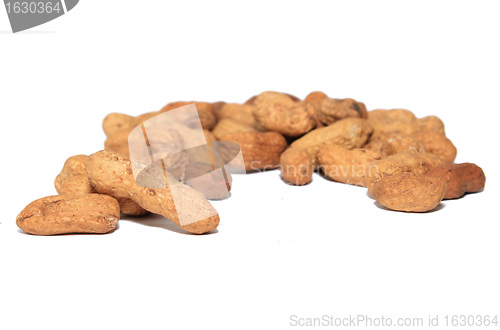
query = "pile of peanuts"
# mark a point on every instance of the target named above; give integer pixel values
(407, 163)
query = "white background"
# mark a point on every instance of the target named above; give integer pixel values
(280, 250)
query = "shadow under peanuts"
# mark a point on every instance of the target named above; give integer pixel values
(158, 221)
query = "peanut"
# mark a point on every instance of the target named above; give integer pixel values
(347, 166)
(437, 144)
(388, 145)
(460, 178)
(395, 121)
(253, 98)
(315, 98)
(115, 122)
(408, 192)
(75, 165)
(331, 110)
(296, 166)
(73, 182)
(260, 150)
(350, 133)
(111, 173)
(53, 215)
(278, 112)
(413, 162)
(229, 126)
(429, 123)
(240, 113)
(206, 112)
(217, 106)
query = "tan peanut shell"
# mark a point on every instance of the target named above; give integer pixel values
(217, 106)
(296, 166)
(115, 122)
(460, 178)
(118, 142)
(391, 144)
(395, 121)
(111, 173)
(437, 144)
(407, 162)
(55, 215)
(425, 124)
(73, 182)
(240, 113)
(260, 150)
(206, 112)
(350, 133)
(408, 192)
(74, 165)
(253, 98)
(227, 126)
(331, 110)
(347, 166)
(315, 98)
(75, 186)
(203, 106)
(278, 112)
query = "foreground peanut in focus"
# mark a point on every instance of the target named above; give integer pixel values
(406, 162)
(54, 215)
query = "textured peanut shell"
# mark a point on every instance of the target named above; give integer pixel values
(115, 122)
(347, 166)
(391, 144)
(205, 110)
(395, 121)
(118, 142)
(75, 186)
(227, 126)
(260, 150)
(407, 162)
(437, 144)
(74, 165)
(111, 173)
(53, 215)
(315, 98)
(203, 106)
(331, 110)
(164, 139)
(278, 112)
(240, 113)
(217, 106)
(425, 124)
(296, 166)
(460, 178)
(408, 192)
(253, 98)
(73, 182)
(349, 133)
